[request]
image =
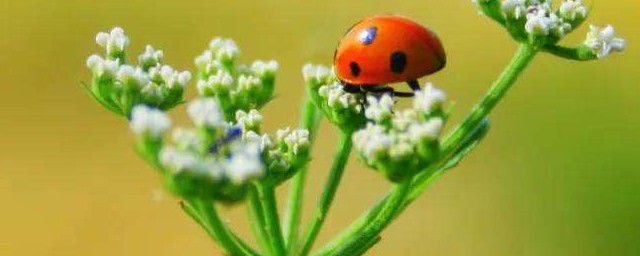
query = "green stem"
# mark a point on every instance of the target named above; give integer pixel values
(522, 58)
(335, 176)
(382, 220)
(257, 220)
(311, 117)
(211, 219)
(271, 218)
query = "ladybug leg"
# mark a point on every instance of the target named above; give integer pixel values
(415, 86)
(390, 91)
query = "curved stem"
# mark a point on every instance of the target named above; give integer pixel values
(311, 117)
(335, 176)
(211, 219)
(271, 218)
(257, 220)
(382, 220)
(460, 134)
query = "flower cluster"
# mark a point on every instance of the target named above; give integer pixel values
(206, 161)
(119, 86)
(339, 107)
(282, 156)
(237, 87)
(401, 143)
(538, 23)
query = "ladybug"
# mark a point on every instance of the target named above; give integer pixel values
(387, 49)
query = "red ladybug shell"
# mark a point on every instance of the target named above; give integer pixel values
(387, 49)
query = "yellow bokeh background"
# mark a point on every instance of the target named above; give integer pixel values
(558, 174)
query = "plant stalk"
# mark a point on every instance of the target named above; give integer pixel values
(335, 176)
(271, 218)
(311, 117)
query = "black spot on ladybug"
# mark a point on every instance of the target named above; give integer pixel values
(355, 68)
(398, 62)
(368, 35)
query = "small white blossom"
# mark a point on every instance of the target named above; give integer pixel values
(248, 121)
(604, 41)
(317, 72)
(401, 120)
(187, 139)
(245, 164)
(127, 74)
(372, 141)
(337, 98)
(262, 68)
(429, 130)
(178, 160)
(146, 120)
(150, 57)
(264, 141)
(101, 67)
(174, 78)
(153, 92)
(248, 83)
(428, 98)
(573, 9)
(401, 151)
(113, 42)
(297, 140)
(515, 8)
(222, 80)
(379, 109)
(224, 49)
(206, 112)
(538, 22)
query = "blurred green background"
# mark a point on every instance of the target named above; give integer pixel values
(556, 176)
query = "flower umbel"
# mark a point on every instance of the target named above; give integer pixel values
(401, 143)
(119, 86)
(236, 86)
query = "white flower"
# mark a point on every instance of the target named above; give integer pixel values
(401, 120)
(174, 79)
(204, 61)
(372, 141)
(245, 164)
(187, 139)
(337, 98)
(248, 83)
(297, 140)
(515, 8)
(206, 112)
(429, 130)
(379, 109)
(604, 41)
(572, 9)
(150, 57)
(178, 160)
(127, 74)
(262, 68)
(101, 67)
(224, 49)
(428, 98)
(401, 150)
(113, 42)
(248, 121)
(264, 141)
(538, 22)
(220, 81)
(146, 120)
(153, 92)
(317, 72)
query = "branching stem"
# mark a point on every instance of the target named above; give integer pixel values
(451, 144)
